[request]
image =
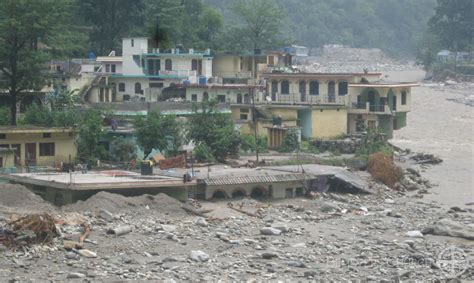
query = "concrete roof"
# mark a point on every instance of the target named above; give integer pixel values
(384, 84)
(34, 129)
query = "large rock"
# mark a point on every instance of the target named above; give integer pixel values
(199, 256)
(270, 231)
(447, 227)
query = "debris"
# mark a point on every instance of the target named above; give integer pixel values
(34, 228)
(231, 206)
(199, 256)
(106, 215)
(120, 230)
(201, 222)
(87, 253)
(422, 158)
(195, 211)
(446, 227)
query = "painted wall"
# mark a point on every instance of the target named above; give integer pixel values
(275, 190)
(7, 159)
(65, 146)
(305, 122)
(329, 123)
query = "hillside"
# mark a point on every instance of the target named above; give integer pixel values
(395, 26)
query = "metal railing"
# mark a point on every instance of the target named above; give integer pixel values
(235, 74)
(303, 98)
(369, 107)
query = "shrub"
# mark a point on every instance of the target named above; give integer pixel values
(383, 169)
(4, 116)
(290, 142)
(203, 153)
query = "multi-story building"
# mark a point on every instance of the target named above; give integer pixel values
(143, 72)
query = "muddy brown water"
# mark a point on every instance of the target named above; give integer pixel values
(445, 128)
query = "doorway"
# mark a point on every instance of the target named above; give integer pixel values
(331, 92)
(30, 154)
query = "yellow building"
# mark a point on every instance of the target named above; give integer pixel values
(7, 158)
(39, 146)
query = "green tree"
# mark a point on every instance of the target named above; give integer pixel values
(122, 150)
(453, 24)
(4, 116)
(262, 23)
(214, 130)
(90, 134)
(25, 25)
(290, 142)
(110, 20)
(64, 100)
(157, 131)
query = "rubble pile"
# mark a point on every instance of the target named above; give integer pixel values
(387, 236)
(18, 199)
(346, 146)
(318, 65)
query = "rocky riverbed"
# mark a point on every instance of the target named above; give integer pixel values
(382, 237)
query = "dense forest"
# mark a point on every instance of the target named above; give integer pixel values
(395, 26)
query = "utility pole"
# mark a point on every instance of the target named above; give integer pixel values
(254, 118)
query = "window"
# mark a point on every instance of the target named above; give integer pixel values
(342, 88)
(371, 124)
(112, 68)
(285, 87)
(121, 86)
(107, 68)
(274, 87)
(221, 98)
(314, 88)
(156, 85)
(132, 42)
(302, 87)
(246, 98)
(244, 110)
(194, 65)
(168, 65)
(46, 135)
(299, 192)
(138, 88)
(239, 98)
(3, 136)
(126, 97)
(205, 96)
(244, 116)
(289, 192)
(46, 149)
(194, 97)
(404, 98)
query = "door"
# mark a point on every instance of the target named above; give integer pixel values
(394, 103)
(331, 92)
(302, 89)
(371, 100)
(30, 154)
(382, 104)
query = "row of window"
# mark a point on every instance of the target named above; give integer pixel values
(313, 87)
(45, 148)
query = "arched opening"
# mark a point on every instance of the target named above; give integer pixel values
(239, 98)
(205, 96)
(274, 90)
(342, 88)
(168, 65)
(285, 87)
(257, 193)
(246, 98)
(238, 193)
(138, 88)
(331, 91)
(314, 88)
(219, 195)
(302, 89)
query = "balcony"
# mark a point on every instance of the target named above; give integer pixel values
(305, 99)
(234, 74)
(367, 107)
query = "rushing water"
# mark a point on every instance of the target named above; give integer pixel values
(445, 128)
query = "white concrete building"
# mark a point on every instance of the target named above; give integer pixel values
(143, 72)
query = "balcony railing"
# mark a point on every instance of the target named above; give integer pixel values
(369, 107)
(236, 74)
(173, 73)
(302, 98)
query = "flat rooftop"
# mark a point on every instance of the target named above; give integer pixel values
(96, 180)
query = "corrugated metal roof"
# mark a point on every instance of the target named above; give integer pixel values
(231, 180)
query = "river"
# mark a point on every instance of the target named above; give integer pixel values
(445, 128)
